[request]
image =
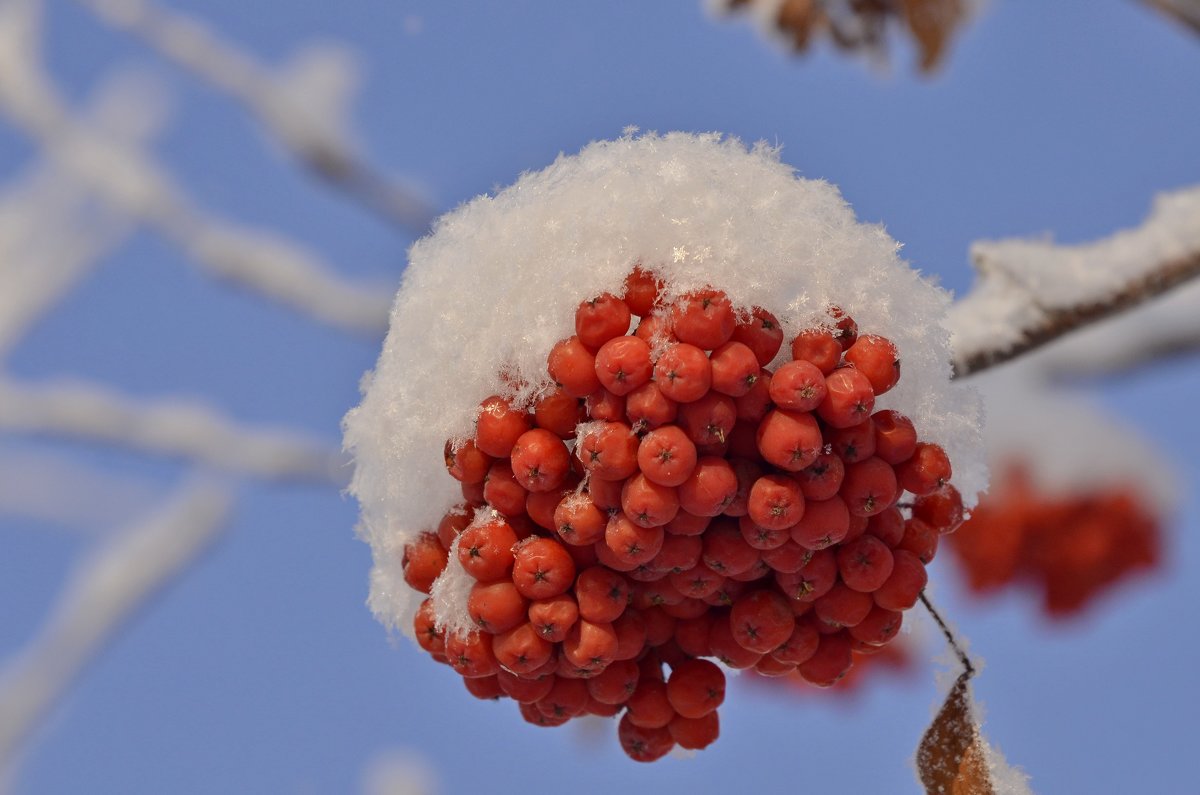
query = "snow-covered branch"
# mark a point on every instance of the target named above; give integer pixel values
(33, 483)
(52, 228)
(1030, 293)
(1185, 12)
(118, 578)
(175, 428)
(125, 177)
(304, 105)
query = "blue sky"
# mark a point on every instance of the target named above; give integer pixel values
(262, 671)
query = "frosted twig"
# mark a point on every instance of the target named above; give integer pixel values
(52, 228)
(304, 106)
(109, 586)
(130, 181)
(33, 483)
(177, 428)
(1030, 293)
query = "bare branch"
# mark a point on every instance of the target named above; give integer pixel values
(302, 106)
(174, 428)
(1185, 12)
(131, 182)
(117, 579)
(1031, 293)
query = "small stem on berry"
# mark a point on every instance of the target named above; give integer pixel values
(968, 667)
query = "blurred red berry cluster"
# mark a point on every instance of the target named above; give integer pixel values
(1071, 547)
(670, 499)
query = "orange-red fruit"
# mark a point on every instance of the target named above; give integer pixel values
(496, 607)
(642, 744)
(761, 620)
(424, 559)
(818, 346)
(573, 367)
(540, 461)
(542, 568)
(789, 440)
(761, 333)
(522, 649)
(600, 319)
(876, 358)
(485, 550)
(695, 733)
(641, 291)
(695, 688)
(499, 426)
(623, 364)
(704, 319)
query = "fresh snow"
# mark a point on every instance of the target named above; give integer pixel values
(496, 284)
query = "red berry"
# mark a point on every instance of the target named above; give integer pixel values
(647, 503)
(485, 549)
(623, 364)
(830, 662)
(423, 561)
(542, 568)
(824, 523)
(496, 607)
(559, 413)
(895, 437)
(776, 502)
(471, 655)
(789, 440)
(631, 543)
(798, 386)
(466, 462)
(578, 520)
(710, 488)
(819, 347)
(869, 487)
(540, 461)
(704, 319)
(822, 479)
(600, 319)
(573, 367)
(876, 358)
(683, 373)
(499, 426)
(590, 646)
(642, 744)
(602, 594)
(522, 649)
(761, 333)
(616, 683)
(709, 420)
(553, 617)
(647, 407)
(641, 291)
(761, 620)
(734, 369)
(926, 471)
(878, 628)
(695, 688)
(941, 509)
(667, 456)
(695, 733)
(904, 585)
(608, 450)
(848, 399)
(865, 563)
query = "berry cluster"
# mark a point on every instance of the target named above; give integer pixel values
(1072, 547)
(670, 500)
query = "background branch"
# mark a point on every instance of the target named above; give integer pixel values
(1031, 293)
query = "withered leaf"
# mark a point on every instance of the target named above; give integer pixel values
(950, 758)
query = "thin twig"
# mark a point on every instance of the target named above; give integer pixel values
(968, 667)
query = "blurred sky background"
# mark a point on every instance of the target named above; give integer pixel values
(261, 670)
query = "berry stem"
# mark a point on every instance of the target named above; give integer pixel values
(968, 667)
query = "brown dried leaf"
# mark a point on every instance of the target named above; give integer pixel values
(951, 758)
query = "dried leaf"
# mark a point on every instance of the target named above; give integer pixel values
(951, 758)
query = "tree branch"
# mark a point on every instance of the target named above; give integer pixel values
(302, 108)
(188, 430)
(121, 576)
(1030, 293)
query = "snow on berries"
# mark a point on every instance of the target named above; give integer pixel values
(653, 409)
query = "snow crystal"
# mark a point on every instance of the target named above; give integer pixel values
(496, 284)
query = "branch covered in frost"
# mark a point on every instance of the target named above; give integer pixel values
(304, 106)
(130, 181)
(33, 482)
(187, 430)
(52, 228)
(1030, 293)
(118, 578)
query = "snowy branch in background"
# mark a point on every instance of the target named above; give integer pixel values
(304, 105)
(175, 428)
(1185, 12)
(62, 491)
(1030, 293)
(129, 181)
(122, 575)
(52, 228)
